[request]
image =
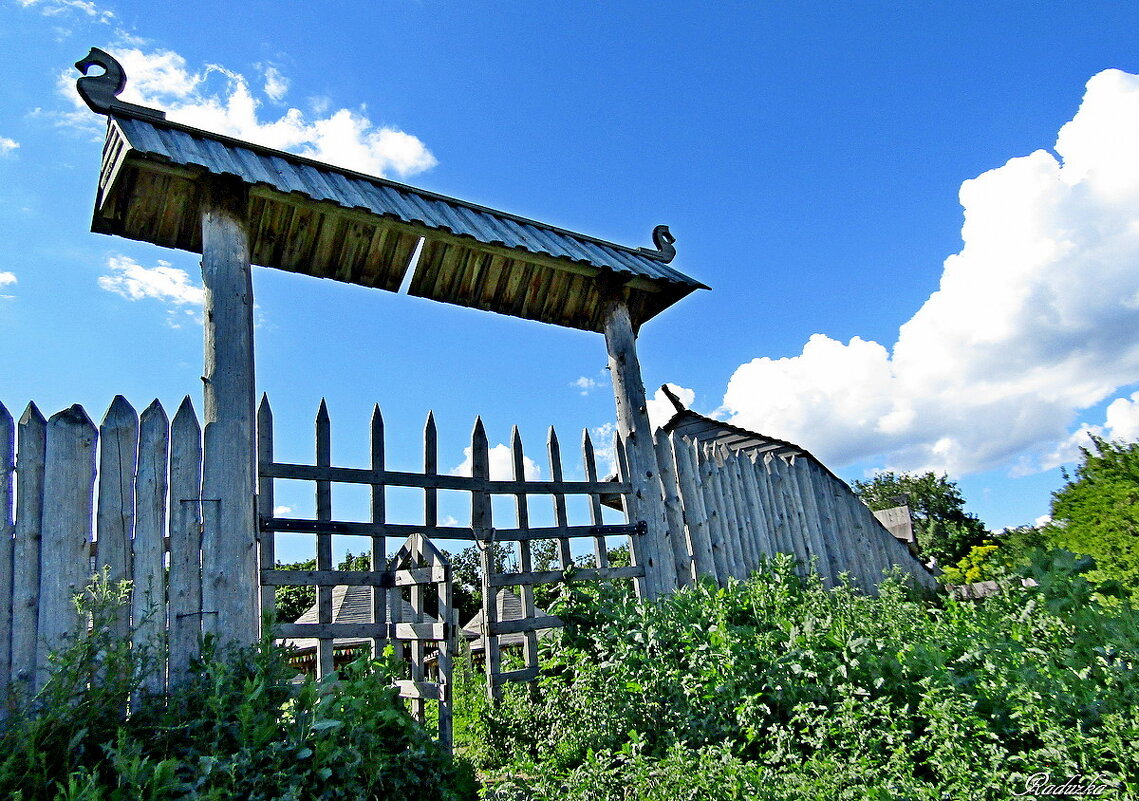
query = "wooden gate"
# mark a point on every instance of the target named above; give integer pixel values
(410, 595)
(419, 553)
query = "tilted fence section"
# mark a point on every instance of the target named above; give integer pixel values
(123, 499)
(482, 488)
(733, 497)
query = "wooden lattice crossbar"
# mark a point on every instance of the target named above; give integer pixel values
(495, 583)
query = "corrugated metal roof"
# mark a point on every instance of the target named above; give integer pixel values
(219, 155)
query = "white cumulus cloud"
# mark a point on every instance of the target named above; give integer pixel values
(501, 465)
(1033, 321)
(7, 278)
(7, 145)
(1123, 418)
(218, 99)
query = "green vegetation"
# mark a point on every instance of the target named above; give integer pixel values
(944, 530)
(239, 729)
(1095, 514)
(779, 688)
(1097, 511)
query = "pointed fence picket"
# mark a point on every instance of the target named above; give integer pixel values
(113, 500)
(482, 488)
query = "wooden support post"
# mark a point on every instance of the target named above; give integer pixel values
(645, 501)
(229, 591)
(7, 532)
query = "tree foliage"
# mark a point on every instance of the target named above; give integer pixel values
(1097, 511)
(944, 530)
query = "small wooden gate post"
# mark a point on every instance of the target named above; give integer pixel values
(645, 502)
(229, 558)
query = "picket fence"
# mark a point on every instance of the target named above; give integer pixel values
(145, 521)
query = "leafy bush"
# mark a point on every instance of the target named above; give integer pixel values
(982, 563)
(1097, 511)
(782, 688)
(239, 728)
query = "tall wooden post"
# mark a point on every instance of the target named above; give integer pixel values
(646, 502)
(229, 559)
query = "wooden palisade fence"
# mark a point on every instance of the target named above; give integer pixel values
(733, 497)
(117, 498)
(127, 498)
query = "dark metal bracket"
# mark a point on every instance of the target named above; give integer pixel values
(640, 528)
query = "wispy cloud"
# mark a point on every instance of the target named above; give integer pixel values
(7, 279)
(221, 100)
(7, 146)
(165, 283)
(276, 84)
(1034, 320)
(56, 8)
(584, 384)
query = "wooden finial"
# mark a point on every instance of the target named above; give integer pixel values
(672, 397)
(664, 241)
(100, 92)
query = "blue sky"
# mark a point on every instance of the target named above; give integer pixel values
(812, 160)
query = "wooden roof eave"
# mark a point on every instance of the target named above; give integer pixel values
(121, 162)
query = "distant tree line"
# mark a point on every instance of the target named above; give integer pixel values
(1095, 514)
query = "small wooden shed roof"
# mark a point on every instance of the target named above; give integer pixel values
(509, 608)
(314, 218)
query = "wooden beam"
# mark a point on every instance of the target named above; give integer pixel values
(229, 591)
(645, 501)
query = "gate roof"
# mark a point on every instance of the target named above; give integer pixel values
(314, 218)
